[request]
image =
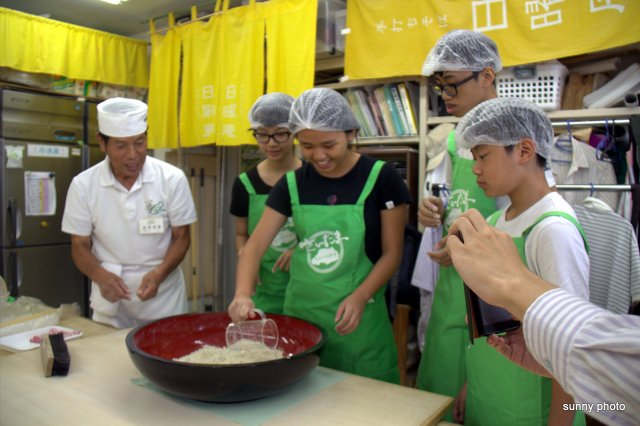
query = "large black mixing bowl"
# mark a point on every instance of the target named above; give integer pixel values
(154, 346)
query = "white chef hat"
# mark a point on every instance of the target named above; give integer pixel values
(122, 117)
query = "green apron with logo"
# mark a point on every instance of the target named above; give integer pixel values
(269, 295)
(498, 391)
(328, 265)
(442, 366)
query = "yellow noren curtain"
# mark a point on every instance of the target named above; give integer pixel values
(291, 36)
(242, 77)
(223, 62)
(39, 45)
(163, 90)
(392, 38)
(199, 91)
(223, 74)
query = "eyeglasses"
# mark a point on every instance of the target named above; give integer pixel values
(452, 88)
(278, 137)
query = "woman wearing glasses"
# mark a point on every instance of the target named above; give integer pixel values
(462, 66)
(269, 117)
(349, 212)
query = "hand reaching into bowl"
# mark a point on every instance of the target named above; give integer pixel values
(241, 308)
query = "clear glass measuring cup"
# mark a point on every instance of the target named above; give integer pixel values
(263, 330)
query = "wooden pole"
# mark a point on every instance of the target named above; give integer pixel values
(194, 247)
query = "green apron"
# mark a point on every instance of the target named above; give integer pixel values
(498, 391)
(269, 295)
(328, 265)
(442, 366)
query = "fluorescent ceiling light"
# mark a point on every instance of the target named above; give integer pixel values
(114, 1)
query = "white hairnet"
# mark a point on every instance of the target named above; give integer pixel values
(462, 50)
(322, 109)
(505, 121)
(271, 110)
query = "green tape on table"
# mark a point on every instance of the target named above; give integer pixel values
(262, 410)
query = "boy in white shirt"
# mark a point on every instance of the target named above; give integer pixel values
(510, 139)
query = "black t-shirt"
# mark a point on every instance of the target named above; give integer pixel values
(240, 197)
(316, 189)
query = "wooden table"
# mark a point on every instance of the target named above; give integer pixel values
(99, 390)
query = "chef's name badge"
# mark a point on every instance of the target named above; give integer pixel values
(151, 225)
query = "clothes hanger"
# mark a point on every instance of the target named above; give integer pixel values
(594, 202)
(563, 143)
(605, 144)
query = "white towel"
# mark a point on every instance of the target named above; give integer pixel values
(99, 303)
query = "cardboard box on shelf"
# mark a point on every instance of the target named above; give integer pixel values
(85, 88)
(62, 84)
(106, 91)
(139, 93)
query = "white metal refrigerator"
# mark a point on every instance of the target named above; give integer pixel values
(41, 151)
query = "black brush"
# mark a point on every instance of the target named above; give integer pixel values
(55, 355)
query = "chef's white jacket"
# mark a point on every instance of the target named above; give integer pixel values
(97, 205)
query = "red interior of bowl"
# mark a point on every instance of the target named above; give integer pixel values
(176, 336)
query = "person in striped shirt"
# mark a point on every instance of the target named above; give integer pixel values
(593, 353)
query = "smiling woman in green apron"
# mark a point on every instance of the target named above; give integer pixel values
(349, 212)
(269, 118)
(510, 139)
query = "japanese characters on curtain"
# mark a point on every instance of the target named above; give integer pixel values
(223, 70)
(241, 77)
(222, 75)
(392, 38)
(199, 99)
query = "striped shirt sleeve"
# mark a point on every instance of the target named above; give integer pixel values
(593, 353)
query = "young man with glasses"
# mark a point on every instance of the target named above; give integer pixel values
(462, 67)
(269, 118)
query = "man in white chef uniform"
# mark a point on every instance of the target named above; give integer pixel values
(129, 219)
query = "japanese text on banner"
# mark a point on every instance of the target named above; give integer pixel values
(525, 31)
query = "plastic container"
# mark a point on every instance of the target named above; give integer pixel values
(263, 330)
(544, 88)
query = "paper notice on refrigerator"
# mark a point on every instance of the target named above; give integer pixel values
(15, 154)
(52, 151)
(40, 193)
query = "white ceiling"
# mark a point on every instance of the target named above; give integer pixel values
(129, 19)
